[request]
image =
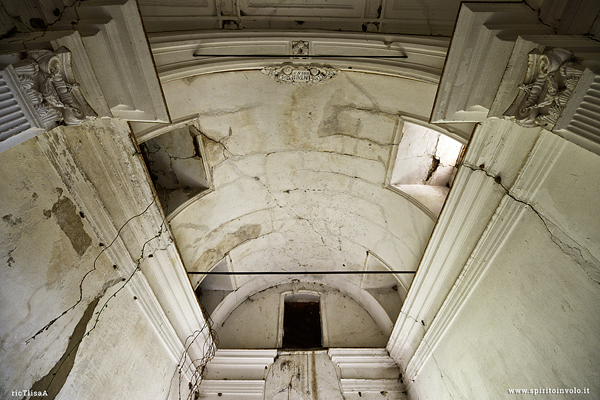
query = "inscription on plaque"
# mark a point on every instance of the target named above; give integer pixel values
(300, 75)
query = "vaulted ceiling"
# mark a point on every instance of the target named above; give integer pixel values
(300, 136)
(263, 175)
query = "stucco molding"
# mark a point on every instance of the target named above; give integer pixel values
(298, 75)
(164, 294)
(183, 55)
(467, 211)
(237, 364)
(47, 79)
(364, 363)
(39, 92)
(482, 43)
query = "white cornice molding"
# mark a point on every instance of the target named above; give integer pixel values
(150, 131)
(240, 364)
(113, 58)
(481, 46)
(532, 176)
(243, 388)
(364, 363)
(115, 41)
(367, 370)
(174, 53)
(84, 72)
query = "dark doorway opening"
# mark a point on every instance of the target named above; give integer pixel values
(301, 324)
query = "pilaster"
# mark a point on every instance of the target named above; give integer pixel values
(103, 171)
(498, 148)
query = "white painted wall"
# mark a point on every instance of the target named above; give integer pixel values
(533, 319)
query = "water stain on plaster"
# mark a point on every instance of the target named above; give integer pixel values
(69, 221)
(227, 243)
(337, 118)
(57, 376)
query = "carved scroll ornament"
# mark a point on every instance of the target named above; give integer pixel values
(549, 83)
(49, 83)
(300, 75)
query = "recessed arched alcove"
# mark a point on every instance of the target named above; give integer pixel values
(259, 321)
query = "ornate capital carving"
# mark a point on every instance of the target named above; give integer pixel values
(48, 81)
(549, 83)
(300, 75)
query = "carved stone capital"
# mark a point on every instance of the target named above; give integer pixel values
(47, 79)
(549, 83)
(300, 75)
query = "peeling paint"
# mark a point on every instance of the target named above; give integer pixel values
(56, 378)
(69, 221)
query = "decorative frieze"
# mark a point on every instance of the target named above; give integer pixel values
(549, 83)
(300, 75)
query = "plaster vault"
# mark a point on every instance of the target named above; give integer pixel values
(178, 176)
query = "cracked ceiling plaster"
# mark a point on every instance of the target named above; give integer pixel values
(299, 179)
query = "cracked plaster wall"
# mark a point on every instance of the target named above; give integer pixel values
(533, 319)
(47, 245)
(299, 173)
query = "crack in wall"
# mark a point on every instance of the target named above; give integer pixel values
(538, 12)
(61, 370)
(431, 353)
(572, 250)
(98, 314)
(94, 266)
(555, 29)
